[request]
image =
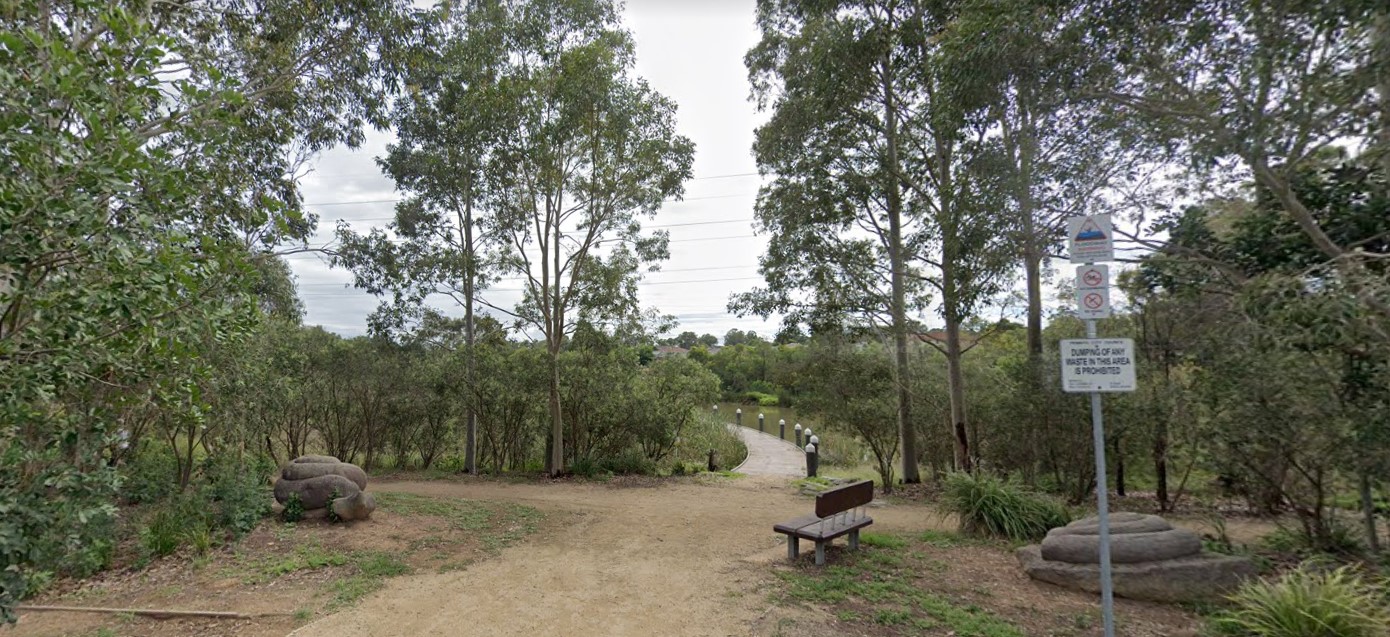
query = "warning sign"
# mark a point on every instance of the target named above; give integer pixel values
(1090, 240)
(1093, 292)
(1098, 365)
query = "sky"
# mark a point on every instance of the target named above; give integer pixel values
(692, 52)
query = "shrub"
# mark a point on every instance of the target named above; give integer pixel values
(149, 476)
(989, 506)
(240, 492)
(294, 509)
(1308, 602)
(167, 528)
(630, 462)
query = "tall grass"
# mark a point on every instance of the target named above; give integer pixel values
(991, 507)
(1309, 602)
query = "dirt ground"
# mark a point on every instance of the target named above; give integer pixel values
(693, 556)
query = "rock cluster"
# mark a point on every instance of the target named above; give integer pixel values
(1150, 559)
(325, 483)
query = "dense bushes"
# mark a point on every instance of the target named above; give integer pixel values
(1309, 602)
(989, 506)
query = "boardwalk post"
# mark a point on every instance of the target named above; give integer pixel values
(815, 442)
(712, 466)
(798, 435)
(738, 416)
(760, 422)
(812, 461)
(782, 429)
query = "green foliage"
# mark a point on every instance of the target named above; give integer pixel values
(294, 509)
(150, 475)
(238, 491)
(991, 507)
(1309, 602)
(170, 525)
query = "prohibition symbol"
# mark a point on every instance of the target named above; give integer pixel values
(1093, 301)
(1092, 278)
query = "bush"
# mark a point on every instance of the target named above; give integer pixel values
(149, 476)
(707, 432)
(294, 509)
(1308, 602)
(240, 491)
(989, 506)
(170, 525)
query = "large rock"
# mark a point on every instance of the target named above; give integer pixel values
(312, 459)
(306, 470)
(1202, 577)
(355, 507)
(1125, 548)
(1120, 523)
(315, 493)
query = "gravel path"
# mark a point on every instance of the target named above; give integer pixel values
(769, 455)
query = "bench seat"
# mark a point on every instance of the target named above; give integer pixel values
(837, 513)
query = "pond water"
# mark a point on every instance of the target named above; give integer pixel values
(770, 417)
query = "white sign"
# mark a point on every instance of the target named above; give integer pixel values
(1093, 304)
(1093, 292)
(1090, 239)
(1098, 365)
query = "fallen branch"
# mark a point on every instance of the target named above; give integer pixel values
(155, 613)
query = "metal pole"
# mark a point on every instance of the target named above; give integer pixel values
(760, 422)
(1107, 588)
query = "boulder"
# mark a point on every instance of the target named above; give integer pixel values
(312, 459)
(1125, 548)
(1197, 578)
(354, 507)
(316, 492)
(306, 470)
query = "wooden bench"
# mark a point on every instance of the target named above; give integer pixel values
(839, 511)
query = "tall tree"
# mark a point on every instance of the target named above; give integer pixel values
(586, 149)
(835, 76)
(446, 133)
(149, 152)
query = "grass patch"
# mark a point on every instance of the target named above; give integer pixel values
(990, 507)
(495, 524)
(884, 586)
(306, 557)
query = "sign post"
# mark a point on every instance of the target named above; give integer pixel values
(1095, 365)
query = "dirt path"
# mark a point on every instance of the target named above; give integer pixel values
(687, 558)
(769, 455)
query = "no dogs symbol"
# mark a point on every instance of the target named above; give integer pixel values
(1093, 301)
(1092, 278)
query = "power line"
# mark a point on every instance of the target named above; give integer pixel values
(380, 174)
(521, 278)
(640, 283)
(398, 199)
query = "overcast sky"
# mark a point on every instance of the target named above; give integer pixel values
(691, 51)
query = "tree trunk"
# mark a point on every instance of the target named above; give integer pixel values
(1119, 466)
(1381, 60)
(1368, 507)
(897, 263)
(1161, 463)
(956, 381)
(470, 451)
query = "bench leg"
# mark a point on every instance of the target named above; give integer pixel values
(820, 553)
(792, 547)
(854, 540)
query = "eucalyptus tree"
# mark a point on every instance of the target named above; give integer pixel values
(124, 237)
(840, 218)
(585, 150)
(446, 133)
(1255, 90)
(1017, 63)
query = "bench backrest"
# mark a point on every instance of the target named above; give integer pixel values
(844, 498)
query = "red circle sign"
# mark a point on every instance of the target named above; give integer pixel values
(1093, 301)
(1092, 278)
